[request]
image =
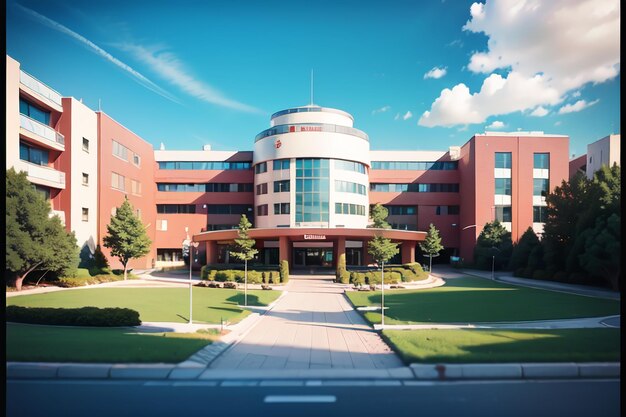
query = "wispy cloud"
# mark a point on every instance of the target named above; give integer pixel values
(436, 73)
(172, 69)
(539, 112)
(397, 116)
(381, 110)
(141, 79)
(578, 106)
(407, 115)
(496, 124)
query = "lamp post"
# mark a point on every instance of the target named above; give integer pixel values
(382, 288)
(493, 262)
(191, 246)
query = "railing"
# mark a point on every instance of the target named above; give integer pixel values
(40, 88)
(311, 127)
(309, 109)
(44, 173)
(41, 129)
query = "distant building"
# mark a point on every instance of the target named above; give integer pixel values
(605, 151)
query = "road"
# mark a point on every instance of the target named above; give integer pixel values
(572, 398)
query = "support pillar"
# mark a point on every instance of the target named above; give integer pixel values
(211, 251)
(407, 251)
(340, 248)
(283, 249)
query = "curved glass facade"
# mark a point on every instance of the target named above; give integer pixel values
(312, 190)
(311, 127)
(309, 109)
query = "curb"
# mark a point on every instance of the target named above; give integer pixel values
(516, 370)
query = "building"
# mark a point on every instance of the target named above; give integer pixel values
(307, 185)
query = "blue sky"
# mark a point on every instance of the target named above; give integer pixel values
(416, 75)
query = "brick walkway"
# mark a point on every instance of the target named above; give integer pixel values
(312, 327)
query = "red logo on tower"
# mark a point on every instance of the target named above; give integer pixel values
(277, 143)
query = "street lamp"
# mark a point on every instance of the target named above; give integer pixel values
(187, 243)
(493, 262)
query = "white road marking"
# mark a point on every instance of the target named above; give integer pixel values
(300, 399)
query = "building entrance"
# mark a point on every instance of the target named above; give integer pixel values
(313, 257)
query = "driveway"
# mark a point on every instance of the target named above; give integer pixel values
(312, 327)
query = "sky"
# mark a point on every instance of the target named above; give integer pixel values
(416, 75)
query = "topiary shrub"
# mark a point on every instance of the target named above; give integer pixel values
(275, 276)
(541, 274)
(84, 316)
(341, 268)
(284, 271)
(357, 278)
(408, 275)
(254, 277)
(345, 277)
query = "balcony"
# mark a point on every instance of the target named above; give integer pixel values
(42, 175)
(41, 133)
(40, 92)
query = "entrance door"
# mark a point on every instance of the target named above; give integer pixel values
(313, 257)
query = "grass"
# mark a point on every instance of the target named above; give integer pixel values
(476, 300)
(31, 343)
(478, 345)
(156, 304)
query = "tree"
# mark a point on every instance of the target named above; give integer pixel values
(494, 242)
(34, 240)
(381, 248)
(432, 244)
(601, 255)
(244, 250)
(127, 237)
(522, 250)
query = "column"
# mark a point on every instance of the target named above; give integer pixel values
(283, 249)
(340, 248)
(211, 252)
(407, 250)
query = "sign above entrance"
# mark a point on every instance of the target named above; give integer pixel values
(314, 237)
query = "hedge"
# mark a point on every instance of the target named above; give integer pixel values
(69, 282)
(397, 273)
(284, 271)
(84, 316)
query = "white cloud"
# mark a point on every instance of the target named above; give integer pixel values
(172, 69)
(436, 73)
(496, 124)
(381, 110)
(99, 51)
(578, 106)
(576, 94)
(558, 123)
(539, 112)
(397, 116)
(407, 115)
(523, 36)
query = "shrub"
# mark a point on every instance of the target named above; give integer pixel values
(541, 274)
(275, 277)
(224, 276)
(204, 272)
(357, 278)
(345, 277)
(528, 272)
(577, 278)
(408, 275)
(84, 316)
(254, 277)
(391, 277)
(284, 271)
(560, 276)
(519, 272)
(230, 284)
(341, 268)
(71, 282)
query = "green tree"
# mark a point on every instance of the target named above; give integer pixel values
(379, 214)
(601, 255)
(431, 245)
(522, 250)
(33, 239)
(126, 236)
(494, 242)
(244, 250)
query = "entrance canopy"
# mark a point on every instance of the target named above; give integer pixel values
(286, 236)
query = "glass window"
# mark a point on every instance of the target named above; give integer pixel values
(281, 164)
(43, 191)
(118, 181)
(503, 186)
(34, 112)
(176, 208)
(503, 213)
(541, 161)
(33, 155)
(281, 186)
(503, 160)
(136, 159)
(85, 179)
(261, 210)
(260, 168)
(85, 213)
(261, 189)
(120, 151)
(281, 208)
(85, 144)
(540, 214)
(541, 186)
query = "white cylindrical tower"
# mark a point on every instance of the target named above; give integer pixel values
(311, 170)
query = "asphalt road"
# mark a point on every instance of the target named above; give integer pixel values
(31, 398)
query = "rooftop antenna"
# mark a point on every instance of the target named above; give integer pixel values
(311, 87)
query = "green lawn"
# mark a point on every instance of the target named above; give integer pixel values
(478, 345)
(475, 300)
(31, 343)
(210, 305)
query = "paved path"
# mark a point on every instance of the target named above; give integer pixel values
(312, 327)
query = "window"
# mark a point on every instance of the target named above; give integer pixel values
(229, 209)
(540, 214)
(503, 160)
(221, 226)
(261, 189)
(118, 181)
(281, 164)
(414, 188)
(312, 190)
(204, 165)
(503, 186)
(541, 161)
(349, 187)
(44, 191)
(170, 255)
(401, 210)
(85, 214)
(281, 186)
(85, 144)
(261, 210)
(415, 166)
(260, 168)
(503, 213)
(541, 186)
(176, 208)
(120, 151)
(33, 155)
(349, 166)
(281, 208)
(34, 112)
(85, 179)
(346, 208)
(162, 225)
(447, 210)
(138, 213)
(136, 160)
(135, 187)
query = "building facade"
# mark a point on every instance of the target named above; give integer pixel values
(307, 185)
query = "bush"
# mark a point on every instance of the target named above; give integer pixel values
(71, 282)
(341, 268)
(85, 316)
(560, 276)
(230, 284)
(519, 272)
(275, 276)
(357, 278)
(391, 277)
(345, 277)
(528, 272)
(254, 277)
(204, 272)
(541, 274)
(284, 271)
